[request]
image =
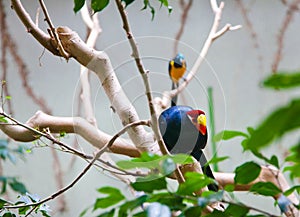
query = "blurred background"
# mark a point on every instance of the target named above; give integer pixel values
(235, 65)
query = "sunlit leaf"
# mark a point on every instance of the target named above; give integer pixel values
(265, 189)
(217, 159)
(99, 5)
(246, 173)
(283, 80)
(131, 205)
(78, 4)
(114, 196)
(292, 189)
(2, 202)
(236, 210)
(194, 182)
(110, 213)
(281, 121)
(149, 183)
(229, 134)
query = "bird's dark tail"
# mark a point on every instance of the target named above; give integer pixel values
(199, 155)
(174, 99)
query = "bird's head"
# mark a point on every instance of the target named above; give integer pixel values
(179, 59)
(198, 118)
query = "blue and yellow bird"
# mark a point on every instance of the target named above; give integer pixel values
(184, 131)
(177, 68)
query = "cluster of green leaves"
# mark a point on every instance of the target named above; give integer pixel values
(156, 199)
(25, 205)
(99, 5)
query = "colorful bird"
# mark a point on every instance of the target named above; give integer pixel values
(184, 131)
(177, 68)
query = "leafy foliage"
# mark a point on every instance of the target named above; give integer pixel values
(277, 124)
(247, 173)
(283, 80)
(99, 5)
(26, 202)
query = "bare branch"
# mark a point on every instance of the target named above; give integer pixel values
(53, 31)
(84, 171)
(44, 39)
(28, 132)
(144, 74)
(213, 34)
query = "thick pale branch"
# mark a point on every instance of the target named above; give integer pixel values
(95, 30)
(98, 62)
(76, 125)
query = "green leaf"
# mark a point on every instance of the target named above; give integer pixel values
(152, 161)
(229, 188)
(150, 183)
(8, 214)
(273, 160)
(193, 211)
(292, 189)
(246, 173)
(217, 159)
(84, 212)
(265, 189)
(114, 197)
(279, 122)
(169, 199)
(194, 182)
(3, 119)
(228, 134)
(17, 186)
(236, 210)
(2, 202)
(8, 97)
(78, 4)
(283, 80)
(110, 213)
(131, 205)
(99, 5)
(127, 2)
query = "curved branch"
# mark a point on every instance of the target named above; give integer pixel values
(44, 39)
(26, 133)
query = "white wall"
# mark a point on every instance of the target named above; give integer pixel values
(232, 67)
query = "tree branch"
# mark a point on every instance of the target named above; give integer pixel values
(213, 34)
(44, 39)
(27, 132)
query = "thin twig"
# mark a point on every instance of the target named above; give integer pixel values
(53, 31)
(144, 74)
(213, 34)
(84, 171)
(185, 10)
(293, 7)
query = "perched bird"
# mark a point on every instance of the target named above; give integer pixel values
(184, 131)
(177, 68)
